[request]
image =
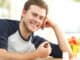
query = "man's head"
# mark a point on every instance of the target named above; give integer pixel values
(39, 3)
(34, 14)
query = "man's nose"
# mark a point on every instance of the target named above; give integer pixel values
(37, 19)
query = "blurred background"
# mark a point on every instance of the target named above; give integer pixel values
(66, 13)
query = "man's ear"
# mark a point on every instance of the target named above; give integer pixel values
(23, 12)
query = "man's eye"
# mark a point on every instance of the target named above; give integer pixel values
(34, 14)
(41, 17)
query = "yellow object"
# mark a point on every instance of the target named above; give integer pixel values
(75, 49)
(78, 45)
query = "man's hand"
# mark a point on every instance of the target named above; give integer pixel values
(44, 50)
(48, 23)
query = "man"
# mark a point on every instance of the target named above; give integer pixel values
(17, 40)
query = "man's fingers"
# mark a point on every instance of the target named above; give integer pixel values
(44, 44)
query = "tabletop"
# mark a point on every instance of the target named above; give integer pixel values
(51, 58)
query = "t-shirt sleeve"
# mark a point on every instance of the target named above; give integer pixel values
(3, 34)
(37, 40)
(56, 52)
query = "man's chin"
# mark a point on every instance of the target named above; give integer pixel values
(34, 30)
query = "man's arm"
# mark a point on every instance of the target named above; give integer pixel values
(63, 43)
(41, 52)
(4, 55)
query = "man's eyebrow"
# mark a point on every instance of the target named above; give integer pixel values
(35, 14)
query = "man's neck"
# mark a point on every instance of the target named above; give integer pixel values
(25, 34)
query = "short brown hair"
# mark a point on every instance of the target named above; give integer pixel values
(39, 3)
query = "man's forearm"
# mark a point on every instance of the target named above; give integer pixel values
(64, 46)
(17, 56)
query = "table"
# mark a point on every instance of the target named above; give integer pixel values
(49, 58)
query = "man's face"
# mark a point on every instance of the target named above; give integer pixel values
(33, 18)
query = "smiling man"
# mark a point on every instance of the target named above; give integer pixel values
(17, 40)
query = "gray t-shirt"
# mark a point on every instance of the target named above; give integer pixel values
(17, 44)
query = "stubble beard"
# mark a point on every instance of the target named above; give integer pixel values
(26, 28)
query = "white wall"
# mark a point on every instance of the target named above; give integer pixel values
(67, 14)
(16, 8)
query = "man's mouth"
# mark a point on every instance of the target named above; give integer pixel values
(34, 25)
